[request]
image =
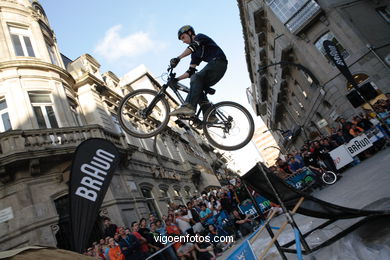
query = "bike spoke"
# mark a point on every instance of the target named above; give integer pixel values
(234, 127)
(143, 114)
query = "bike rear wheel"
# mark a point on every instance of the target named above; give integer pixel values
(135, 118)
(329, 177)
(228, 126)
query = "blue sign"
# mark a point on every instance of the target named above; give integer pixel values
(247, 207)
(301, 180)
(244, 251)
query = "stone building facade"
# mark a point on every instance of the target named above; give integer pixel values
(309, 102)
(49, 105)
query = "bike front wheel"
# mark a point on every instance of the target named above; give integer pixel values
(228, 126)
(329, 177)
(143, 113)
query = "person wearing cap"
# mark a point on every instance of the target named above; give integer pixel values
(201, 48)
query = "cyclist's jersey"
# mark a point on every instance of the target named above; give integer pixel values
(207, 51)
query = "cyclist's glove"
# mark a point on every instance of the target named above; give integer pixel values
(174, 62)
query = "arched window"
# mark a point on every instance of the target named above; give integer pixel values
(146, 191)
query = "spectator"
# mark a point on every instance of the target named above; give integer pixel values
(144, 243)
(130, 245)
(160, 227)
(241, 192)
(355, 130)
(182, 250)
(168, 253)
(152, 219)
(294, 165)
(214, 205)
(206, 216)
(205, 249)
(98, 252)
(114, 252)
(242, 222)
(109, 228)
(195, 220)
(279, 172)
(183, 221)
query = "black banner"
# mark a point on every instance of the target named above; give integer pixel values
(338, 60)
(93, 167)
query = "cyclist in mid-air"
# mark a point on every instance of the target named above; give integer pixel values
(202, 48)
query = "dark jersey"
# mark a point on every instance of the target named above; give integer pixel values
(207, 50)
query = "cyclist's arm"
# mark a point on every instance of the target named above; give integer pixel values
(185, 53)
(186, 75)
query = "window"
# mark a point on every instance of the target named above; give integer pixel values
(43, 109)
(284, 10)
(329, 36)
(117, 125)
(73, 109)
(52, 54)
(149, 200)
(21, 42)
(176, 192)
(384, 12)
(295, 14)
(164, 193)
(5, 122)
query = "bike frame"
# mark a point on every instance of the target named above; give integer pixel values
(175, 87)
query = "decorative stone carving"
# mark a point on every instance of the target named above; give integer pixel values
(55, 228)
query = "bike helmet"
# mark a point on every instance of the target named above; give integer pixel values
(185, 29)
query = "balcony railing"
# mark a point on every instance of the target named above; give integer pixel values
(25, 144)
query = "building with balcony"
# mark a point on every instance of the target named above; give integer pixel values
(308, 102)
(49, 105)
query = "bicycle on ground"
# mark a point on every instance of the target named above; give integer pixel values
(327, 176)
(144, 113)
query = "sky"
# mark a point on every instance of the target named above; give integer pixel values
(123, 34)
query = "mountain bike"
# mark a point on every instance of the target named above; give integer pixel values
(327, 176)
(144, 113)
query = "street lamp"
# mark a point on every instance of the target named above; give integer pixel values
(274, 129)
(281, 155)
(272, 147)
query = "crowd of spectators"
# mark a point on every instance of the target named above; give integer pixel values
(216, 213)
(212, 214)
(315, 155)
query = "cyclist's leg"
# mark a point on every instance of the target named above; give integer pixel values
(207, 77)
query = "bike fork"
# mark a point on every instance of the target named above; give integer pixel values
(148, 110)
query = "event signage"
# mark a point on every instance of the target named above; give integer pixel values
(93, 167)
(244, 252)
(247, 207)
(340, 157)
(343, 154)
(338, 60)
(358, 144)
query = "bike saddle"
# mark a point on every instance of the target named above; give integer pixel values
(209, 91)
